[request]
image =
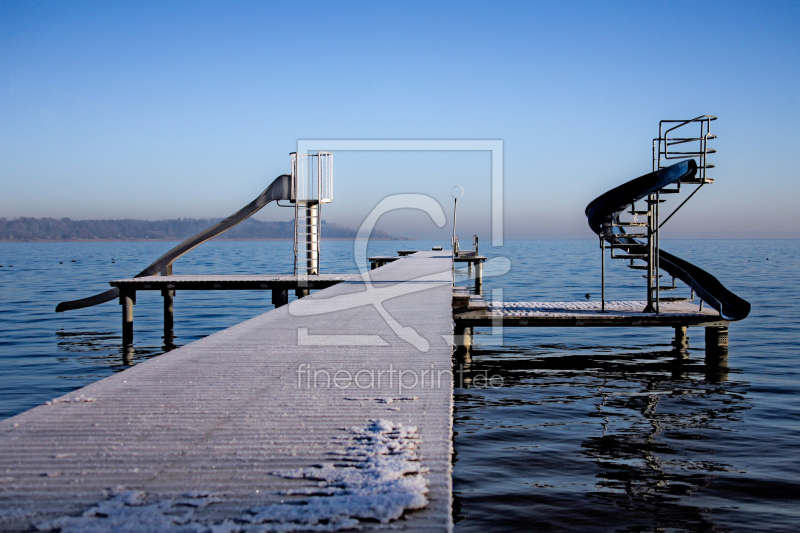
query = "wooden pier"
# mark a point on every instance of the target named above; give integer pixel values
(260, 425)
(472, 259)
(471, 310)
(169, 284)
(334, 410)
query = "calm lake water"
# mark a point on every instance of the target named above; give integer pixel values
(593, 429)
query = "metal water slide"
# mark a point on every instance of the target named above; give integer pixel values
(280, 189)
(604, 218)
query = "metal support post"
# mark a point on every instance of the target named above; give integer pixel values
(716, 339)
(716, 354)
(650, 308)
(602, 274)
(478, 277)
(301, 293)
(656, 258)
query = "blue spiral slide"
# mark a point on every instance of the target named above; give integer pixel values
(603, 216)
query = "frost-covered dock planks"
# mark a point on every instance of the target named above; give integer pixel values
(219, 427)
(470, 311)
(585, 314)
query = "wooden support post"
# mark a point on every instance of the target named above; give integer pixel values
(169, 317)
(127, 299)
(478, 277)
(169, 309)
(463, 336)
(301, 293)
(280, 297)
(128, 352)
(681, 339)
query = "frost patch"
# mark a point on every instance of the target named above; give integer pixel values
(126, 511)
(379, 477)
(75, 399)
(382, 400)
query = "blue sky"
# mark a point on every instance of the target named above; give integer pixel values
(190, 109)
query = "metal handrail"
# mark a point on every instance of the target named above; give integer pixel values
(662, 144)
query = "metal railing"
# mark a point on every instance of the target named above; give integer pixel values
(312, 185)
(312, 177)
(664, 146)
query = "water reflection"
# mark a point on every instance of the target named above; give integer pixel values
(659, 417)
(101, 349)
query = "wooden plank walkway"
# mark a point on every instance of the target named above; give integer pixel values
(232, 282)
(473, 311)
(252, 429)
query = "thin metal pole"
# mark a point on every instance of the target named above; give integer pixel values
(602, 274)
(657, 257)
(455, 251)
(650, 237)
(455, 212)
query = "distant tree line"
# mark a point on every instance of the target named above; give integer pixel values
(65, 229)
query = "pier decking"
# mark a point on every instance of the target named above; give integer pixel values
(231, 282)
(586, 314)
(213, 433)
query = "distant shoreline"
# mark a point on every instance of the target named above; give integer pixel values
(31, 229)
(218, 239)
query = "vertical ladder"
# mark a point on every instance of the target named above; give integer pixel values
(312, 186)
(306, 237)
